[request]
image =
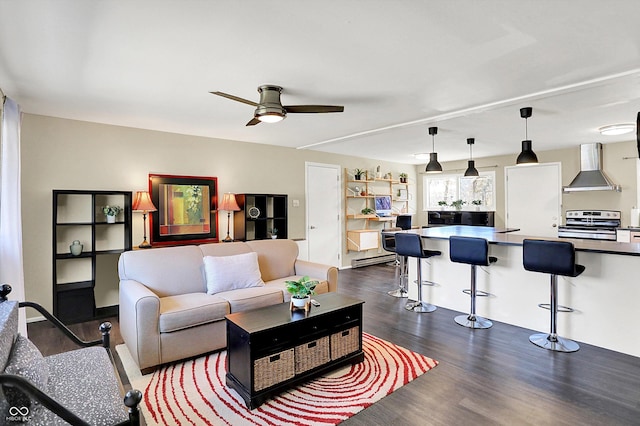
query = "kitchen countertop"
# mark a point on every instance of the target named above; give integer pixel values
(502, 236)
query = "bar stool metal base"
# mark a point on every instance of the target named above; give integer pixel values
(473, 321)
(400, 292)
(558, 344)
(420, 307)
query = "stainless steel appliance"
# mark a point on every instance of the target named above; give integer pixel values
(590, 224)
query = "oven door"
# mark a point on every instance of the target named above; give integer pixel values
(587, 233)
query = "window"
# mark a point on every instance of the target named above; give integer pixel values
(449, 188)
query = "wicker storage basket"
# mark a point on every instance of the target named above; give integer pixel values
(273, 369)
(345, 342)
(312, 354)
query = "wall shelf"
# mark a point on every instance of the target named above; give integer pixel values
(77, 215)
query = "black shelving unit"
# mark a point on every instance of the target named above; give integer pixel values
(259, 214)
(77, 215)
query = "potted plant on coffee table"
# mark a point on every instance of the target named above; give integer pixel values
(301, 292)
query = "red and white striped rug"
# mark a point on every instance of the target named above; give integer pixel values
(194, 392)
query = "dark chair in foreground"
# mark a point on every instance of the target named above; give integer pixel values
(79, 387)
(555, 258)
(410, 245)
(400, 264)
(474, 252)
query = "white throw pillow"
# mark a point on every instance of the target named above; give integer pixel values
(224, 273)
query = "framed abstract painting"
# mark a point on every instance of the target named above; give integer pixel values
(186, 210)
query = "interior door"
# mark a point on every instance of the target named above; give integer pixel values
(533, 199)
(323, 213)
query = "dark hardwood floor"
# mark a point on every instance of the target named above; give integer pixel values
(485, 377)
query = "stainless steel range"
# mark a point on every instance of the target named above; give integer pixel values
(590, 224)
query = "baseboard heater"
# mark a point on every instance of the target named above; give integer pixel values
(366, 261)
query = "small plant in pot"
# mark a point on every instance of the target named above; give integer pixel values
(403, 177)
(301, 291)
(358, 173)
(457, 204)
(111, 212)
(477, 203)
(274, 233)
(443, 204)
(367, 210)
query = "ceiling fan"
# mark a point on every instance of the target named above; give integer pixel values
(271, 110)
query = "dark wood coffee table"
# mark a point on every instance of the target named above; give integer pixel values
(273, 348)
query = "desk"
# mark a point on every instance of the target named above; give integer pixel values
(605, 297)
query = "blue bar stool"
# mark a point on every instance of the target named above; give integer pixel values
(474, 252)
(389, 244)
(555, 258)
(410, 245)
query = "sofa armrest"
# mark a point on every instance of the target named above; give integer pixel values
(139, 322)
(319, 271)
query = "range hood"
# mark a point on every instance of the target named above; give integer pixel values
(591, 176)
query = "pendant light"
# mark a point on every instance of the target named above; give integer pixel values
(527, 156)
(433, 166)
(471, 169)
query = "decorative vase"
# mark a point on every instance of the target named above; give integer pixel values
(273, 237)
(300, 303)
(111, 219)
(403, 180)
(76, 248)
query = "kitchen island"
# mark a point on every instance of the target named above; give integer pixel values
(606, 297)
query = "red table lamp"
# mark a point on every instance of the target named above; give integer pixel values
(142, 203)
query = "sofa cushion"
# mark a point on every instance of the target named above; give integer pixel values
(25, 361)
(251, 298)
(277, 258)
(322, 287)
(225, 273)
(166, 271)
(189, 310)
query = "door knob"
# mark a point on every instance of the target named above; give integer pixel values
(312, 227)
(554, 225)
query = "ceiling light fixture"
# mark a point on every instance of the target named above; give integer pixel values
(617, 129)
(527, 156)
(471, 168)
(433, 166)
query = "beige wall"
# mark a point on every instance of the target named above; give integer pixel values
(66, 154)
(619, 164)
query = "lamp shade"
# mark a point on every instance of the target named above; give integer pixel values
(527, 155)
(142, 202)
(433, 166)
(229, 203)
(471, 169)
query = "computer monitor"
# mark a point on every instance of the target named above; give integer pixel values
(383, 205)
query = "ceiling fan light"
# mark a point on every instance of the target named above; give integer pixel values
(527, 156)
(270, 117)
(471, 169)
(433, 166)
(617, 129)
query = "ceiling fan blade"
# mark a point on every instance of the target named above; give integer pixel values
(235, 98)
(313, 108)
(253, 122)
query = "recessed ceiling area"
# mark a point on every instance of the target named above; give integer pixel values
(398, 67)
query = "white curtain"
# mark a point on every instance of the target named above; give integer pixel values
(11, 270)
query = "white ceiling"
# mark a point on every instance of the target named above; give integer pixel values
(397, 66)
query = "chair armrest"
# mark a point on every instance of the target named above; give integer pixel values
(318, 271)
(139, 322)
(105, 327)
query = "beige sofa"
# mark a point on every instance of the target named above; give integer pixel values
(166, 313)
